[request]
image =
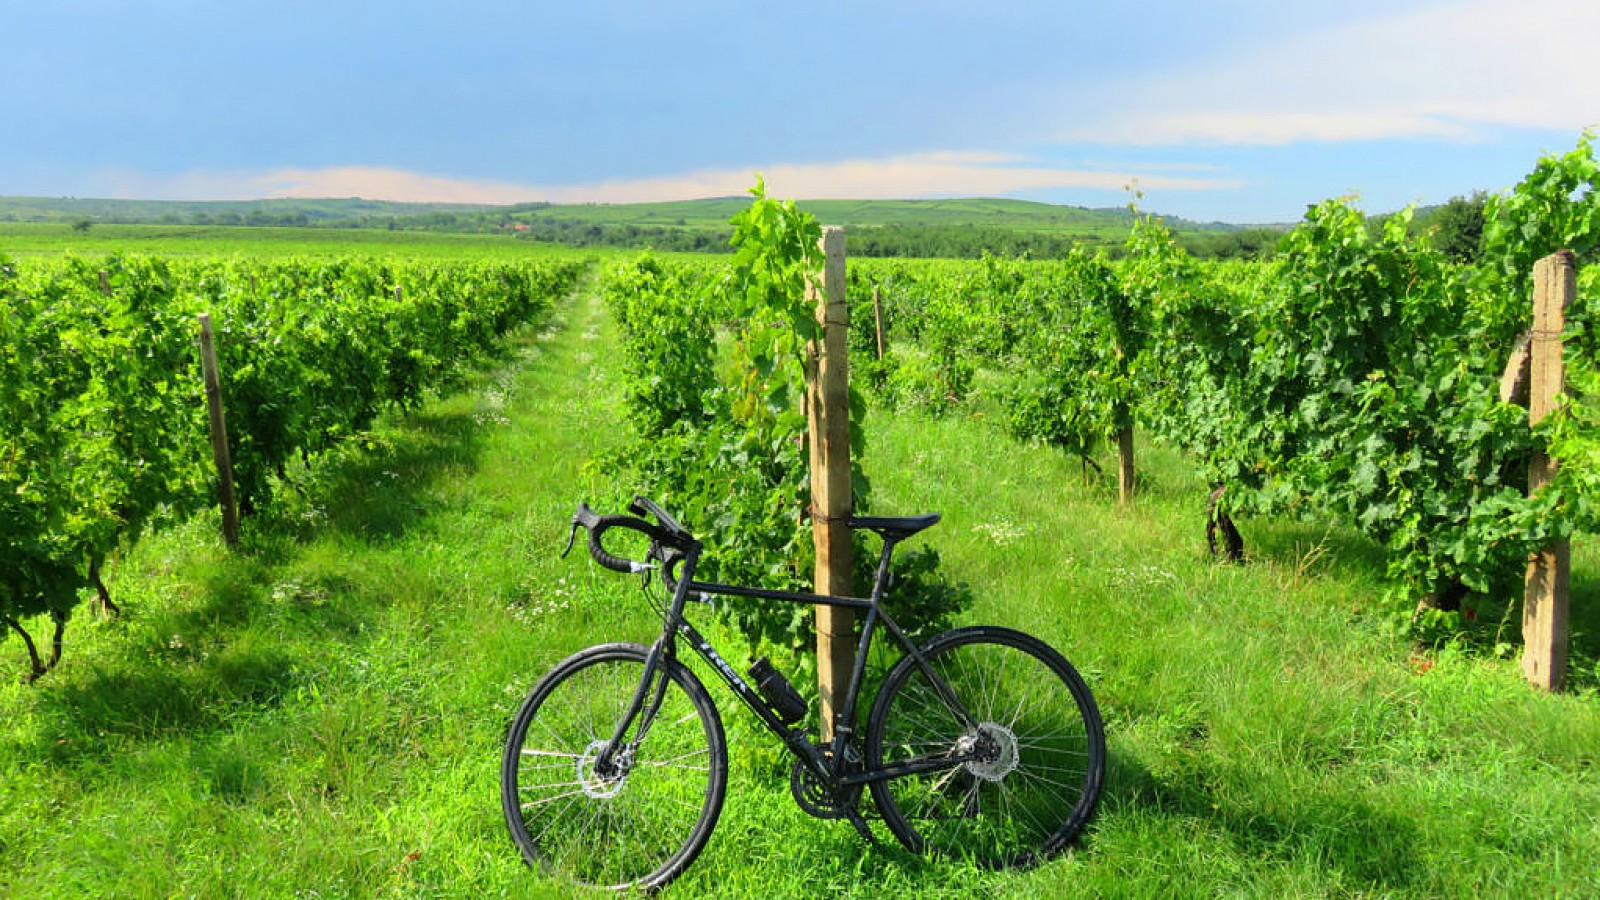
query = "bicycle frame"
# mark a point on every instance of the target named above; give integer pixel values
(829, 766)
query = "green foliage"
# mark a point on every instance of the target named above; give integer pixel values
(776, 258)
(1075, 377)
(669, 346)
(314, 350)
(720, 423)
(1354, 393)
(944, 320)
(1354, 376)
(102, 420)
(1556, 207)
(1457, 227)
(1359, 377)
(913, 378)
(94, 421)
(325, 715)
(925, 601)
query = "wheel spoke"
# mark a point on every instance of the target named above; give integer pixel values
(1038, 751)
(638, 822)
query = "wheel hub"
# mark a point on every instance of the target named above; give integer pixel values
(602, 782)
(994, 749)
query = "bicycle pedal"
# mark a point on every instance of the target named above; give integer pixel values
(860, 823)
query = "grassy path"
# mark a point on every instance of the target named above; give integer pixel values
(321, 713)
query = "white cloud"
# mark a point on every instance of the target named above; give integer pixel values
(373, 183)
(1455, 71)
(921, 175)
(917, 175)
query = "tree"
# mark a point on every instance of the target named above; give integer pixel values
(1458, 227)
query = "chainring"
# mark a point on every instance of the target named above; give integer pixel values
(814, 795)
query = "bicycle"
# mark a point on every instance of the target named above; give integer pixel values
(615, 767)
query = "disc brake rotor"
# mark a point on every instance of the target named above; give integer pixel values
(996, 748)
(592, 782)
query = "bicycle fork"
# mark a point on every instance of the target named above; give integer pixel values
(615, 756)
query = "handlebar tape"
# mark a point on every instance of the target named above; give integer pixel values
(597, 526)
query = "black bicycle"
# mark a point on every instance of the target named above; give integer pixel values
(983, 743)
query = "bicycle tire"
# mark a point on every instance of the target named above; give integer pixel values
(1043, 760)
(637, 827)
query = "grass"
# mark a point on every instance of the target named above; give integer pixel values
(55, 238)
(1267, 736)
(715, 213)
(320, 713)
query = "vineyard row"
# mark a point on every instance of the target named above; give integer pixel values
(1353, 377)
(103, 424)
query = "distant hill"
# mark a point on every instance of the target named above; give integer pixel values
(230, 212)
(1015, 214)
(715, 212)
(951, 228)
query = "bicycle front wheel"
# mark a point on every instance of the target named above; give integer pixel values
(1025, 729)
(631, 818)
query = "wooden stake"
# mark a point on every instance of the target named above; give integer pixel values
(828, 405)
(877, 312)
(105, 282)
(1545, 605)
(219, 433)
(1125, 465)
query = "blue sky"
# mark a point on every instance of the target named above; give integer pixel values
(1236, 110)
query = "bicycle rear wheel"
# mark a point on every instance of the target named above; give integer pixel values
(1031, 735)
(637, 821)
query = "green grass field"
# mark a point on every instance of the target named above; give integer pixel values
(1019, 214)
(55, 238)
(320, 713)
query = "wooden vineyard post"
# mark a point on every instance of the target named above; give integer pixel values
(1549, 585)
(828, 409)
(105, 282)
(877, 313)
(1125, 465)
(219, 433)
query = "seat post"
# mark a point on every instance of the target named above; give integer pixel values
(880, 584)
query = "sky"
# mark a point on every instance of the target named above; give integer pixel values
(1227, 110)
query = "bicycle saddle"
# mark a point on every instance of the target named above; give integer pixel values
(894, 529)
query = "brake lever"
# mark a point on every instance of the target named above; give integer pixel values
(572, 536)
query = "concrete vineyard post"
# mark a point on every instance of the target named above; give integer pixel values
(219, 433)
(828, 408)
(1548, 594)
